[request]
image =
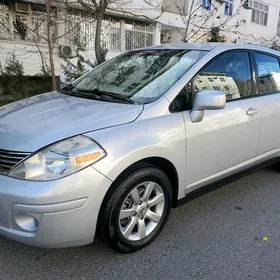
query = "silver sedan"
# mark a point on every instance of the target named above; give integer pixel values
(114, 151)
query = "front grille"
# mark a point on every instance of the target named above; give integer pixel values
(10, 159)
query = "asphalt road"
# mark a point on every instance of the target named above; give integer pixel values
(217, 236)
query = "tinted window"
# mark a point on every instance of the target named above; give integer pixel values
(268, 72)
(230, 73)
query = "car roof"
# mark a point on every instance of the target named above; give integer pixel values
(186, 46)
(207, 46)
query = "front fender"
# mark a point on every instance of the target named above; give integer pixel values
(162, 136)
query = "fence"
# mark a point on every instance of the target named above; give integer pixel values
(76, 26)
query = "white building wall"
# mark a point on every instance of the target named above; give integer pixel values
(167, 20)
(247, 31)
(27, 52)
(253, 32)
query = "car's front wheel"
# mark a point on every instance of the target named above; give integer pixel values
(136, 210)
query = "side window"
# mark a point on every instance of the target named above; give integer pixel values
(229, 72)
(183, 101)
(268, 73)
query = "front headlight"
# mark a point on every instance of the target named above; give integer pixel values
(60, 159)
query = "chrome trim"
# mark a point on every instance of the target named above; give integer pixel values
(9, 159)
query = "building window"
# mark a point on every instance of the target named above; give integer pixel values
(138, 34)
(228, 7)
(206, 4)
(76, 32)
(111, 34)
(260, 13)
(81, 30)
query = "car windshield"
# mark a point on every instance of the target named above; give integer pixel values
(140, 76)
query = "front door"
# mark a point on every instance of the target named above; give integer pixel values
(225, 141)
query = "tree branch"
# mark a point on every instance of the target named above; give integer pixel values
(202, 26)
(188, 24)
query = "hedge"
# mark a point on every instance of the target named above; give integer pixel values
(19, 87)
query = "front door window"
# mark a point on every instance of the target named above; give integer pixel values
(230, 73)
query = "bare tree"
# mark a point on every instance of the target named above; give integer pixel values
(53, 7)
(98, 9)
(275, 45)
(199, 21)
(50, 41)
(44, 29)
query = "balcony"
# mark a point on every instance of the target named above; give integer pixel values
(74, 27)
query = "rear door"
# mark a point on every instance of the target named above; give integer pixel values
(268, 84)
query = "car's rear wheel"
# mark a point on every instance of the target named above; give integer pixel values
(135, 212)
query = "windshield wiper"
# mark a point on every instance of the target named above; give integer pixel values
(67, 88)
(102, 93)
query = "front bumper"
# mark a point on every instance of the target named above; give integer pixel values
(66, 210)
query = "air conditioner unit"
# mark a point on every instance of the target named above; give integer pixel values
(249, 4)
(21, 7)
(66, 51)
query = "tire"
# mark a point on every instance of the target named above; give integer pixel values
(123, 197)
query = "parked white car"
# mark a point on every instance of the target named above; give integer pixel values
(137, 135)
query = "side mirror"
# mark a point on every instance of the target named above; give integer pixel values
(207, 100)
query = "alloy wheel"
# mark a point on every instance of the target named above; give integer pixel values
(141, 211)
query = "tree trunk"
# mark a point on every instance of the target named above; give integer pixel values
(98, 47)
(50, 43)
(52, 67)
(186, 34)
(44, 68)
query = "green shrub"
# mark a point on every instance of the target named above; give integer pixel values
(14, 84)
(25, 86)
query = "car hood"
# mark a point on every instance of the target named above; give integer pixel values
(33, 123)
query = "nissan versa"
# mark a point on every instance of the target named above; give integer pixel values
(114, 151)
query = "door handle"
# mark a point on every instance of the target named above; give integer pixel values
(252, 111)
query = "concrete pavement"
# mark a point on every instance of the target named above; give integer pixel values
(217, 236)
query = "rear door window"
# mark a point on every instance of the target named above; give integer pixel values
(268, 73)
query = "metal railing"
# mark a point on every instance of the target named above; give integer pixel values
(24, 27)
(138, 35)
(76, 27)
